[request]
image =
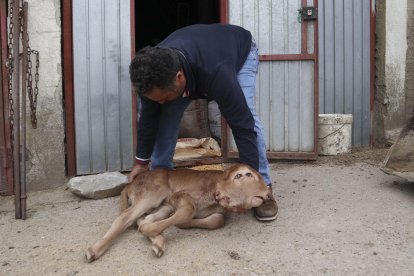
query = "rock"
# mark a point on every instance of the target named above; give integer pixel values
(99, 185)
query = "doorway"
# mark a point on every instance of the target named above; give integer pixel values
(156, 19)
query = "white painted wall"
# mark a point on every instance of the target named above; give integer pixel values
(395, 63)
(45, 145)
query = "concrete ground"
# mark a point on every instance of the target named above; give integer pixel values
(338, 216)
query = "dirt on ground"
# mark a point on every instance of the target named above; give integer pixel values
(338, 215)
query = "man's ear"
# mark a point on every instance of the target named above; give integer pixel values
(180, 77)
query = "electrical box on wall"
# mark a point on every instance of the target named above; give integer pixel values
(308, 13)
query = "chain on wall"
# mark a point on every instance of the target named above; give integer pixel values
(18, 35)
(32, 88)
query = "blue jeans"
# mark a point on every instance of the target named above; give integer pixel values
(172, 112)
(247, 81)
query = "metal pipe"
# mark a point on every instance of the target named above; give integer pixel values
(16, 111)
(23, 107)
(5, 86)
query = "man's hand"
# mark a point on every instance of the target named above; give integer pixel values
(137, 169)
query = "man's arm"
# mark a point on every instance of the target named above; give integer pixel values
(146, 133)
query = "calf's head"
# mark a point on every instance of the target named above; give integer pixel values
(241, 188)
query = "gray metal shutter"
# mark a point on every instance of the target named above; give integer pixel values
(344, 63)
(285, 95)
(102, 92)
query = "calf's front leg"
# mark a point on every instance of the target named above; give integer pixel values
(211, 222)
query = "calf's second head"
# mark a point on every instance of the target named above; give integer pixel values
(241, 188)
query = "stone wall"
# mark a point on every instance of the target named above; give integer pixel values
(380, 96)
(409, 72)
(394, 69)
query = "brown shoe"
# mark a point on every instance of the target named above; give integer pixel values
(268, 211)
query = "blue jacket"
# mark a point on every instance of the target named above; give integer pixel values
(213, 55)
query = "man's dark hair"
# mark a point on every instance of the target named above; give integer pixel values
(154, 67)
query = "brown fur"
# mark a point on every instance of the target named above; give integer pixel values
(158, 199)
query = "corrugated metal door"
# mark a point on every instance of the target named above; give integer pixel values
(344, 62)
(286, 93)
(102, 92)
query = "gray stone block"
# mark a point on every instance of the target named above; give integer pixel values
(99, 185)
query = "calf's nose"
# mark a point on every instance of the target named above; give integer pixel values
(269, 194)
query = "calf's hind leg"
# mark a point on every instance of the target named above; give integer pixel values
(120, 224)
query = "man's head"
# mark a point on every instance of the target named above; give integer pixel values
(157, 74)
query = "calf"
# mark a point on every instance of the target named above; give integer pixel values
(160, 198)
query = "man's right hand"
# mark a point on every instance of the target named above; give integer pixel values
(137, 169)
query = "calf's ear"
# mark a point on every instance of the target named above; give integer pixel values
(222, 199)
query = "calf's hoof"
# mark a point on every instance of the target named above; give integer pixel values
(158, 245)
(90, 255)
(157, 250)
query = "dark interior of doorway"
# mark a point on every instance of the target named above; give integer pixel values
(156, 19)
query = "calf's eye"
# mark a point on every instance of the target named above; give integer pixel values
(249, 174)
(239, 175)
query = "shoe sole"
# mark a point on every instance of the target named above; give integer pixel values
(267, 218)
